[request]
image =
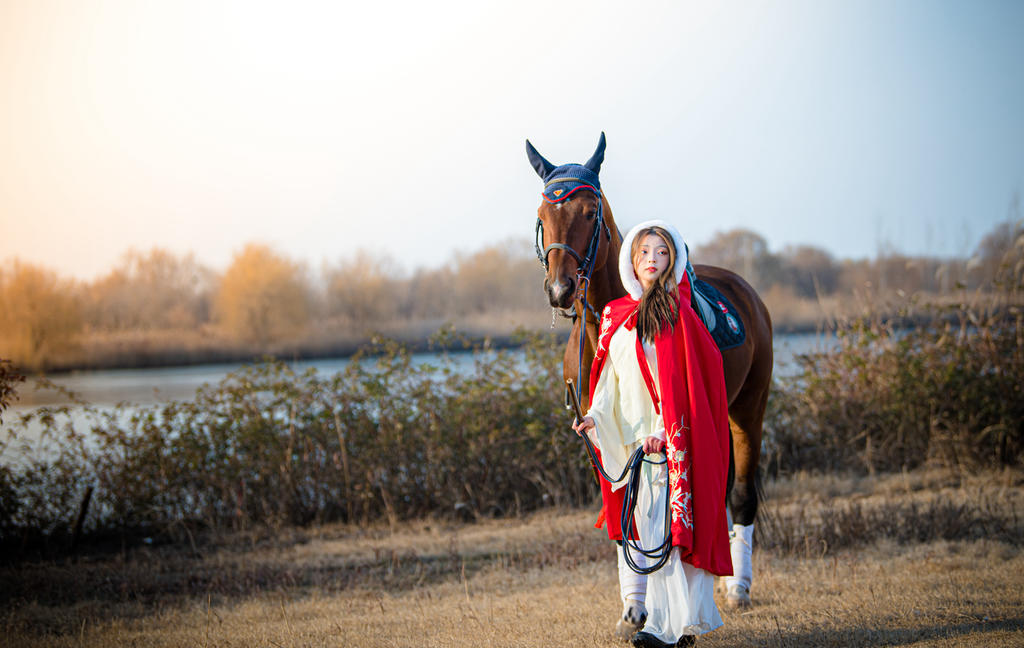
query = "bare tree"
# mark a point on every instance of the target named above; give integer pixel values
(999, 251)
(263, 296)
(505, 276)
(366, 290)
(743, 251)
(39, 315)
(810, 271)
(155, 290)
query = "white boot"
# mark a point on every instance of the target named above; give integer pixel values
(633, 591)
(741, 543)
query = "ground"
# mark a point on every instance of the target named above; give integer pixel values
(547, 580)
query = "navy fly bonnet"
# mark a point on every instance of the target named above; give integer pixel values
(562, 181)
(566, 179)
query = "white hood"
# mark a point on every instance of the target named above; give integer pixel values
(629, 278)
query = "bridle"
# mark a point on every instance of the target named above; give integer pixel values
(585, 263)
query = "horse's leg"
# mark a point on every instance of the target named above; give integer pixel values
(746, 415)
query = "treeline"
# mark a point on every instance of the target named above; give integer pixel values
(158, 302)
(160, 308)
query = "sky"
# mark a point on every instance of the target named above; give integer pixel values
(398, 128)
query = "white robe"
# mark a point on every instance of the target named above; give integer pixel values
(680, 597)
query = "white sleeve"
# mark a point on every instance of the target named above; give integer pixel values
(606, 397)
(607, 415)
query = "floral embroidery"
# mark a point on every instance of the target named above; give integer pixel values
(680, 456)
(681, 509)
(606, 323)
(679, 476)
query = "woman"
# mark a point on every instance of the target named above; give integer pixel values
(657, 383)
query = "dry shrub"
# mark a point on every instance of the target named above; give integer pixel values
(9, 377)
(852, 524)
(385, 440)
(947, 391)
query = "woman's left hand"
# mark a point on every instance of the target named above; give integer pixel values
(653, 444)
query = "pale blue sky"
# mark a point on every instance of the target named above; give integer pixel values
(324, 127)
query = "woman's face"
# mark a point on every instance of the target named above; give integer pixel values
(652, 257)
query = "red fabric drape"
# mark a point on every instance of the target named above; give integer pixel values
(694, 409)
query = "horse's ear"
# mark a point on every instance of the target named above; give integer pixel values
(542, 166)
(594, 163)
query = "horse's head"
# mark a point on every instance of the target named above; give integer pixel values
(570, 223)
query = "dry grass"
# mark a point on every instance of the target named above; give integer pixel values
(548, 579)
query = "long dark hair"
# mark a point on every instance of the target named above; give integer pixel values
(659, 306)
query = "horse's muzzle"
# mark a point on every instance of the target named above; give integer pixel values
(560, 292)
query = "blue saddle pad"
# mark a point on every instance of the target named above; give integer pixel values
(725, 324)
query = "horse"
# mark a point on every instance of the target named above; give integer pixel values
(586, 282)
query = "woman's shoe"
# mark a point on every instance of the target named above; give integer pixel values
(647, 640)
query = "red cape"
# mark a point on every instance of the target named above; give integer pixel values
(694, 409)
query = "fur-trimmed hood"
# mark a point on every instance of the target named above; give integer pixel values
(626, 272)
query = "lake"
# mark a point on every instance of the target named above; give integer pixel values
(107, 388)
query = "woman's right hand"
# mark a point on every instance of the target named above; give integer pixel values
(586, 426)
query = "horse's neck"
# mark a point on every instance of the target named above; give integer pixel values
(605, 283)
(605, 286)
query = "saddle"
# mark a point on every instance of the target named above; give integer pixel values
(716, 311)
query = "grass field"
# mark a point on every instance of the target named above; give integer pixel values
(947, 571)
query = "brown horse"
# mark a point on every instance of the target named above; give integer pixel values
(570, 223)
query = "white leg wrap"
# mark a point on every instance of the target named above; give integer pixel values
(633, 590)
(631, 584)
(741, 543)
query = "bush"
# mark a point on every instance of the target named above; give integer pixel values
(9, 377)
(946, 391)
(386, 439)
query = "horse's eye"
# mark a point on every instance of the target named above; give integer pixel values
(590, 215)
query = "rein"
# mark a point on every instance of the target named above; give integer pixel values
(659, 554)
(585, 264)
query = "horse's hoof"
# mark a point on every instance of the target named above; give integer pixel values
(633, 617)
(737, 597)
